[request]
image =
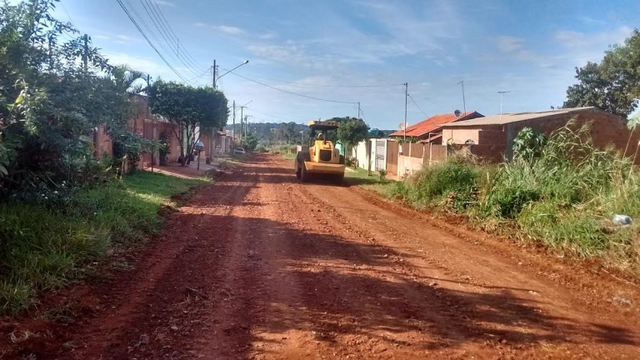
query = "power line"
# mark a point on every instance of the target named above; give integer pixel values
(201, 75)
(272, 115)
(140, 18)
(126, 11)
(328, 86)
(293, 93)
(418, 106)
(69, 16)
(164, 36)
(166, 28)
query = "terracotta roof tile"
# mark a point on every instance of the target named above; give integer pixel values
(433, 123)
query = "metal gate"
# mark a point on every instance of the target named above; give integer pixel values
(380, 155)
(392, 158)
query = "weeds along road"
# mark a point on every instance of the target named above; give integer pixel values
(259, 266)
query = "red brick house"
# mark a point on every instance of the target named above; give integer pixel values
(492, 137)
(429, 130)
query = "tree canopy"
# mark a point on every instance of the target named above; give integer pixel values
(613, 84)
(192, 109)
(351, 131)
(53, 96)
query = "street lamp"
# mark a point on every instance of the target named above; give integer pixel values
(218, 78)
(242, 116)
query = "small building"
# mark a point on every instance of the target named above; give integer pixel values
(491, 137)
(429, 131)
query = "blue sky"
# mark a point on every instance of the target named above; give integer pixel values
(529, 48)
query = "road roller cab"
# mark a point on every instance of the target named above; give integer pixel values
(321, 159)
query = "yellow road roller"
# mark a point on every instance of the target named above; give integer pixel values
(321, 159)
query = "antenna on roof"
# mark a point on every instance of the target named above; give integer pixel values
(464, 103)
(402, 126)
(502, 92)
(457, 113)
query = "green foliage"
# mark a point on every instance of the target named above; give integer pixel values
(614, 84)
(383, 174)
(249, 142)
(189, 108)
(45, 246)
(563, 196)
(528, 145)
(53, 96)
(352, 131)
(454, 180)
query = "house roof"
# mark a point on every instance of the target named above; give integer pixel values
(433, 123)
(508, 118)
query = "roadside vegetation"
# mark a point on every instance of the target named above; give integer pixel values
(49, 241)
(64, 206)
(561, 191)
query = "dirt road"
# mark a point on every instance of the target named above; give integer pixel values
(259, 266)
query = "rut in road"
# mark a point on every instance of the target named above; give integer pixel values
(260, 266)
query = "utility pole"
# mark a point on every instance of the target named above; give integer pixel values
(214, 71)
(464, 103)
(406, 104)
(85, 53)
(241, 122)
(233, 129)
(246, 125)
(358, 110)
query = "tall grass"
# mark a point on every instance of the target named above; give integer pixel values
(564, 197)
(43, 247)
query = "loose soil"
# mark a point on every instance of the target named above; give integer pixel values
(259, 266)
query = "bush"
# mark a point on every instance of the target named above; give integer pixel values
(455, 179)
(383, 174)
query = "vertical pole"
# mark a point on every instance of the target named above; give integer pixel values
(241, 121)
(213, 73)
(406, 104)
(233, 129)
(85, 54)
(358, 109)
(464, 102)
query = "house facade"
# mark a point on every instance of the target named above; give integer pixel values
(492, 137)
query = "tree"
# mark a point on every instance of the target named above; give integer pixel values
(614, 84)
(192, 110)
(250, 142)
(351, 131)
(57, 93)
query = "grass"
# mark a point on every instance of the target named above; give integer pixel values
(44, 247)
(563, 197)
(289, 156)
(373, 182)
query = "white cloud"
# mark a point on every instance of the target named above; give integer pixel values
(510, 44)
(583, 47)
(268, 36)
(137, 63)
(590, 21)
(101, 37)
(232, 30)
(165, 3)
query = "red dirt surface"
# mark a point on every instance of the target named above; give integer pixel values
(259, 266)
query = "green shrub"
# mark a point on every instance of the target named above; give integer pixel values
(454, 178)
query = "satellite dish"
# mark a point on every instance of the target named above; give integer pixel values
(403, 125)
(457, 113)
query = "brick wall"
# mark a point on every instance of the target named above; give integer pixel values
(495, 141)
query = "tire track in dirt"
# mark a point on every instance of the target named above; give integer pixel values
(259, 266)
